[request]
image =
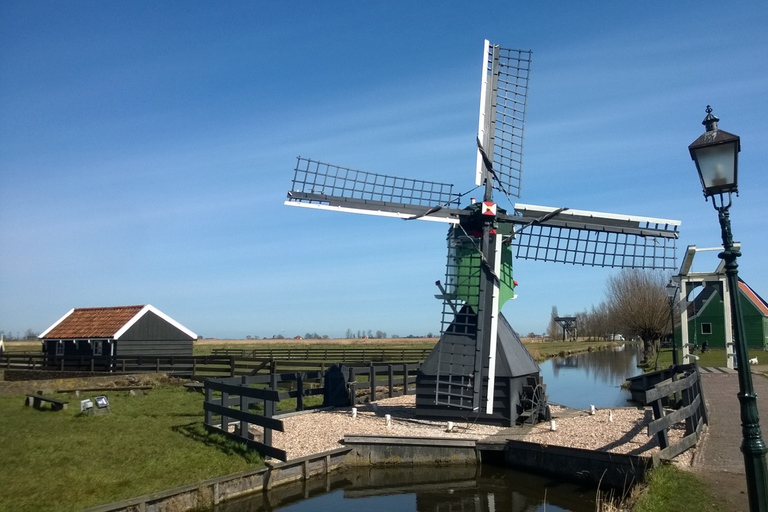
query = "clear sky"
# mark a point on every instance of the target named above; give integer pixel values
(146, 149)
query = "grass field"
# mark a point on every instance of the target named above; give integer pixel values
(540, 350)
(61, 461)
(712, 357)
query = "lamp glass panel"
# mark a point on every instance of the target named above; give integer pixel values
(717, 166)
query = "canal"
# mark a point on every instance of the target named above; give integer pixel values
(577, 381)
(592, 378)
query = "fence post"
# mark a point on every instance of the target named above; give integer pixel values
(372, 381)
(208, 400)
(390, 379)
(352, 383)
(269, 410)
(300, 390)
(231, 366)
(405, 378)
(194, 366)
(157, 365)
(244, 425)
(224, 418)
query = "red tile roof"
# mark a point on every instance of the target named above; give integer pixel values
(753, 297)
(93, 322)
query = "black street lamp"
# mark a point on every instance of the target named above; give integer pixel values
(672, 294)
(716, 155)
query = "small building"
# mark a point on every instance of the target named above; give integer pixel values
(117, 331)
(706, 317)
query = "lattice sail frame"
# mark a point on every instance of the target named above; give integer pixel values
(325, 186)
(503, 100)
(595, 239)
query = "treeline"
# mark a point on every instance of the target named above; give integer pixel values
(29, 335)
(636, 306)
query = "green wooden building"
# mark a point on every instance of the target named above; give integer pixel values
(706, 317)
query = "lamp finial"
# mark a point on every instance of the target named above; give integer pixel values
(710, 122)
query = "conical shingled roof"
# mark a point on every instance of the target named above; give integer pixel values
(92, 322)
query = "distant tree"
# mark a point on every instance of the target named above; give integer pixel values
(638, 304)
(553, 329)
(380, 335)
(350, 334)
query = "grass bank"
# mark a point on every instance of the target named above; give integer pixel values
(540, 350)
(66, 461)
(712, 357)
(670, 488)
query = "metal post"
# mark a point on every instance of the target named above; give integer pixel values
(672, 319)
(752, 445)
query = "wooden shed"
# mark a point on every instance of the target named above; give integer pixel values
(706, 317)
(117, 331)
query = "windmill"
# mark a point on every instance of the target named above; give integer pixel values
(479, 369)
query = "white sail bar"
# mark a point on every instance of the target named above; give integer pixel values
(380, 213)
(582, 237)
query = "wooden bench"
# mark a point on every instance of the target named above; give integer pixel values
(37, 402)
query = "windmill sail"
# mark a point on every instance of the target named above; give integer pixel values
(331, 187)
(503, 98)
(594, 239)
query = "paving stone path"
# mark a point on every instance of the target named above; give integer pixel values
(719, 459)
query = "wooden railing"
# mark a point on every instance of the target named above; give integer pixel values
(236, 403)
(682, 391)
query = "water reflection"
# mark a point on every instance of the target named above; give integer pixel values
(592, 378)
(423, 489)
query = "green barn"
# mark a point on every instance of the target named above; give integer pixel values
(706, 317)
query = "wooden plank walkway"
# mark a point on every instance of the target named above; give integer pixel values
(719, 459)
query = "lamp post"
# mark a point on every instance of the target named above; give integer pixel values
(671, 289)
(716, 154)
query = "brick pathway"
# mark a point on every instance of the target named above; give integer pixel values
(719, 459)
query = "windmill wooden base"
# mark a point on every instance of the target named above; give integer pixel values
(444, 384)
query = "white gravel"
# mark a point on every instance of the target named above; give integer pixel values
(319, 431)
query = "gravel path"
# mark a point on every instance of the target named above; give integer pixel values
(316, 432)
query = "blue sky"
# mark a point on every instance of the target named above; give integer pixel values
(146, 149)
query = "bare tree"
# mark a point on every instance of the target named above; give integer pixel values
(638, 303)
(553, 329)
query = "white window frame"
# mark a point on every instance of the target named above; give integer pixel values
(60, 348)
(709, 327)
(98, 347)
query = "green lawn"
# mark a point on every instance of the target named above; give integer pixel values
(670, 488)
(67, 461)
(712, 357)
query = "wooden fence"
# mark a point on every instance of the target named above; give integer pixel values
(682, 391)
(338, 354)
(233, 404)
(198, 367)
